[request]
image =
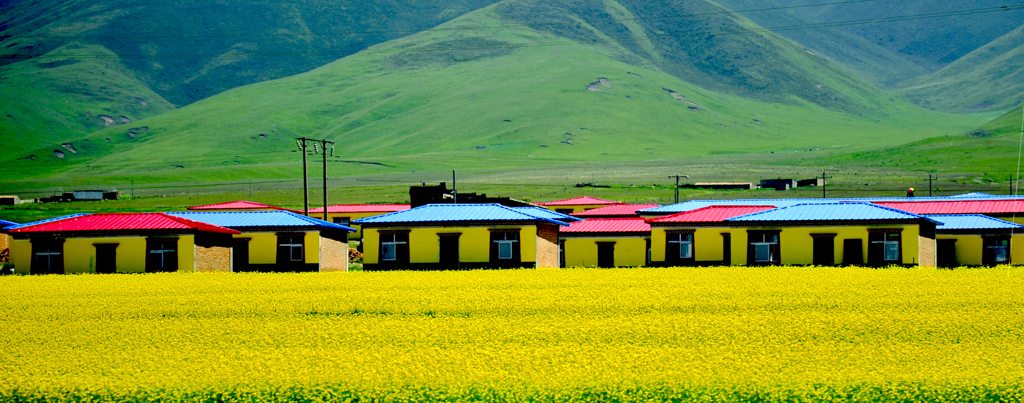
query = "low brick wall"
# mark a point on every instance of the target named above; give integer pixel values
(333, 255)
(213, 259)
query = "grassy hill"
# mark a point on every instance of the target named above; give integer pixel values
(521, 85)
(74, 90)
(987, 154)
(990, 77)
(924, 37)
(68, 67)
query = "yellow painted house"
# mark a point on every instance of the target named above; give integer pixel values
(280, 241)
(577, 204)
(346, 214)
(977, 240)
(5, 240)
(606, 242)
(462, 236)
(119, 243)
(802, 234)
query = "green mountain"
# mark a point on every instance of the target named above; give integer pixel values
(988, 78)
(518, 85)
(68, 68)
(887, 42)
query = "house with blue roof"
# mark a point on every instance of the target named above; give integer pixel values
(825, 234)
(5, 240)
(280, 240)
(977, 240)
(462, 236)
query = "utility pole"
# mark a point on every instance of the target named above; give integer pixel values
(824, 179)
(930, 179)
(455, 190)
(677, 177)
(323, 145)
(301, 142)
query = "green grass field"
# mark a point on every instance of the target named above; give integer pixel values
(793, 334)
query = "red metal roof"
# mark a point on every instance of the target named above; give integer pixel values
(362, 208)
(609, 225)
(615, 210)
(122, 222)
(580, 201)
(957, 206)
(236, 205)
(711, 214)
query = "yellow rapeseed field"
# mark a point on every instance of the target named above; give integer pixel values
(629, 334)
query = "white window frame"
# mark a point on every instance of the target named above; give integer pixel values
(391, 244)
(891, 246)
(1005, 248)
(162, 251)
(683, 242)
(506, 245)
(300, 247)
(765, 242)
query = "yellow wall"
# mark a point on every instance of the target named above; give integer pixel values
(795, 243)
(474, 244)
(352, 216)
(80, 254)
(263, 247)
(629, 251)
(969, 248)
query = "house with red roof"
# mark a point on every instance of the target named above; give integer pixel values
(605, 242)
(577, 204)
(624, 210)
(698, 237)
(237, 205)
(345, 214)
(119, 243)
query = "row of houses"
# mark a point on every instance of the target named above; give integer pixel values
(582, 232)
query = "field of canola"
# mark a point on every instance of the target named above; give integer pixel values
(710, 334)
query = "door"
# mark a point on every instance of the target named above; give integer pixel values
(106, 258)
(824, 250)
(946, 253)
(240, 255)
(449, 244)
(726, 249)
(853, 252)
(606, 254)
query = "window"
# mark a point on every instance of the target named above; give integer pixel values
(885, 247)
(763, 248)
(343, 220)
(47, 256)
(997, 250)
(161, 254)
(506, 242)
(505, 247)
(291, 247)
(680, 245)
(394, 247)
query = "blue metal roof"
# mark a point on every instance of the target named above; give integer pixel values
(441, 213)
(259, 219)
(543, 212)
(696, 204)
(828, 212)
(5, 224)
(63, 217)
(973, 195)
(951, 222)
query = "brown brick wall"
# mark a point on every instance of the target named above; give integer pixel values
(547, 246)
(926, 252)
(213, 259)
(333, 255)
